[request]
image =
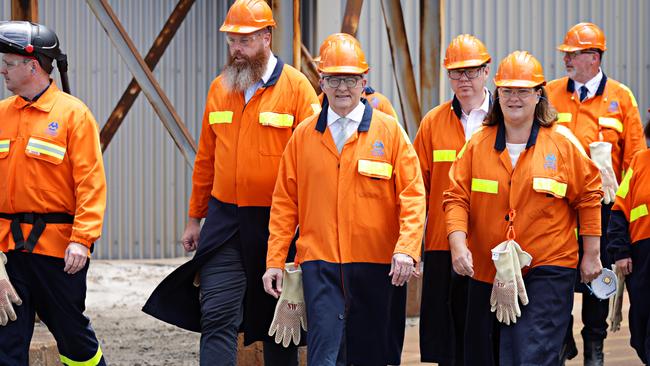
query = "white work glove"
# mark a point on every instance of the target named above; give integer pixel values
(616, 302)
(601, 155)
(508, 282)
(290, 312)
(8, 294)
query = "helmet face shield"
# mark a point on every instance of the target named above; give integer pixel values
(16, 37)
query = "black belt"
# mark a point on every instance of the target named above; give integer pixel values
(38, 221)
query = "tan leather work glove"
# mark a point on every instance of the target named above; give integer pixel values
(601, 155)
(616, 302)
(290, 312)
(508, 282)
(8, 294)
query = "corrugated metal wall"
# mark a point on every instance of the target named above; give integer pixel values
(149, 182)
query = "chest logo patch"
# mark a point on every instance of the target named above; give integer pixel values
(550, 162)
(52, 128)
(377, 148)
(613, 107)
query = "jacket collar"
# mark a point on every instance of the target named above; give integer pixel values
(500, 143)
(571, 85)
(364, 126)
(455, 105)
(275, 76)
(44, 102)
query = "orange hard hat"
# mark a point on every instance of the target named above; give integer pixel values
(465, 51)
(583, 36)
(519, 70)
(248, 16)
(334, 37)
(344, 56)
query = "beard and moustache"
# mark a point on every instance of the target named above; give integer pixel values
(240, 75)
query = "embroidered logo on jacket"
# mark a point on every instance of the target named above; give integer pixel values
(550, 162)
(377, 148)
(52, 128)
(374, 102)
(613, 107)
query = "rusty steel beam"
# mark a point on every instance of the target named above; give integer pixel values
(156, 96)
(309, 69)
(351, 17)
(24, 10)
(402, 65)
(153, 56)
(297, 41)
(430, 43)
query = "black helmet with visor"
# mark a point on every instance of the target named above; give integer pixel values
(34, 40)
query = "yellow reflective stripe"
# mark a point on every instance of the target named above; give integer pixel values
(220, 117)
(638, 212)
(629, 92)
(611, 123)
(485, 185)
(462, 151)
(376, 168)
(4, 145)
(564, 117)
(92, 362)
(576, 230)
(36, 145)
(624, 188)
(440, 156)
(316, 107)
(549, 185)
(566, 132)
(276, 119)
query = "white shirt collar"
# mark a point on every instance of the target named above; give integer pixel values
(592, 84)
(356, 115)
(270, 66)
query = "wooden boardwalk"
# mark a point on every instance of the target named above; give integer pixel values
(617, 345)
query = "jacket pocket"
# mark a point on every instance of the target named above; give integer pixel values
(45, 149)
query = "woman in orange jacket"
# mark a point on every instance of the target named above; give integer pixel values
(629, 246)
(521, 174)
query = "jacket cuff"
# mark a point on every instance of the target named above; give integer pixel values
(81, 240)
(589, 218)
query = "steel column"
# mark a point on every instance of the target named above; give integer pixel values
(430, 43)
(351, 17)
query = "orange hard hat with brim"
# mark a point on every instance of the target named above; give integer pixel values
(248, 16)
(519, 70)
(583, 36)
(465, 51)
(343, 56)
(334, 37)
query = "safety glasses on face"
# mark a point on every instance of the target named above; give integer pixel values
(521, 93)
(471, 73)
(244, 41)
(11, 64)
(335, 82)
(574, 54)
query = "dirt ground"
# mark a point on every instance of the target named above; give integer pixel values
(117, 290)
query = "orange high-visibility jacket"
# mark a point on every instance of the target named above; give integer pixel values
(51, 162)
(633, 197)
(376, 99)
(553, 181)
(439, 139)
(612, 111)
(241, 144)
(362, 206)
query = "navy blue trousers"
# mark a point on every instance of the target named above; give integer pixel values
(534, 340)
(481, 342)
(442, 311)
(59, 299)
(638, 287)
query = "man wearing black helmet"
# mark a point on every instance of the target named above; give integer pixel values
(52, 200)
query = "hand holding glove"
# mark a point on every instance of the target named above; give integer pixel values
(8, 294)
(290, 312)
(508, 259)
(601, 155)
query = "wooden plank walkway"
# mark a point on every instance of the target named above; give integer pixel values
(617, 345)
